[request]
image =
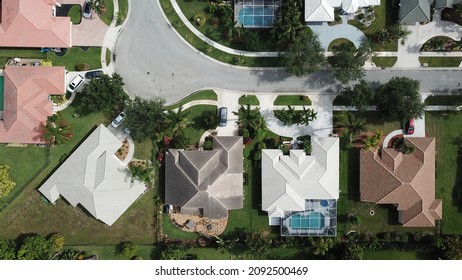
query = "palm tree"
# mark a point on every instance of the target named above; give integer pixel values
(250, 119)
(352, 126)
(320, 246)
(285, 29)
(176, 121)
(307, 115)
(56, 132)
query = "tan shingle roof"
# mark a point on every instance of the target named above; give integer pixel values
(408, 181)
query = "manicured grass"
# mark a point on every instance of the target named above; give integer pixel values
(27, 213)
(385, 15)
(109, 14)
(444, 100)
(209, 50)
(249, 100)
(75, 13)
(77, 55)
(386, 216)
(384, 61)
(395, 255)
(448, 132)
(108, 56)
(195, 131)
(283, 100)
(9, 53)
(173, 233)
(200, 95)
(338, 42)
(211, 254)
(123, 9)
(436, 61)
(109, 252)
(143, 150)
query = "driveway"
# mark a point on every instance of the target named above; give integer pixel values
(327, 33)
(90, 32)
(148, 51)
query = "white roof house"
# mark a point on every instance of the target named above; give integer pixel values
(95, 178)
(288, 181)
(323, 10)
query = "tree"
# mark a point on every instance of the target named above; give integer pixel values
(7, 249)
(320, 246)
(307, 115)
(305, 54)
(352, 126)
(176, 121)
(286, 27)
(56, 241)
(174, 252)
(180, 141)
(258, 244)
(360, 96)
(253, 41)
(35, 247)
(449, 247)
(252, 120)
(399, 99)
(104, 94)
(352, 251)
(56, 130)
(128, 248)
(347, 61)
(68, 254)
(210, 119)
(373, 141)
(145, 117)
(6, 184)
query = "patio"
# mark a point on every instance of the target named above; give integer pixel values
(201, 225)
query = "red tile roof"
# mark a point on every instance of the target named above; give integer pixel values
(27, 103)
(408, 181)
(30, 23)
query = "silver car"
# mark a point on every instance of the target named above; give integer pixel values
(118, 120)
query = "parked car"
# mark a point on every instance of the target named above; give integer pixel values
(94, 74)
(223, 116)
(86, 12)
(75, 84)
(410, 126)
(118, 120)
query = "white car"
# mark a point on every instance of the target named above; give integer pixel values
(75, 84)
(118, 120)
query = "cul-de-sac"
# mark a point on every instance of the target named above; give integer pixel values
(230, 129)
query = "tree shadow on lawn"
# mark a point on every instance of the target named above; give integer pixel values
(456, 198)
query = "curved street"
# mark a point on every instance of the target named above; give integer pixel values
(155, 61)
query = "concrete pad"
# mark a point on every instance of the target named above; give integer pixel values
(327, 34)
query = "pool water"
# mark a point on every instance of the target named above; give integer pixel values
(256, 16)
(314, 220)
(1, 92)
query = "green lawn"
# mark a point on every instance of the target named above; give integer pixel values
(109, 252)
(434, 61)
(210, 51)
(249, 100)
(27, 213)
(210, 254)
(395, 255)
(383, 61)
(195, 131)
(76, 55)
(75, 13)
(447, 130)
(444, 100)
(172, 232)
(123, 8)
(200, 95)
(386, 216)
(9, 53)
(338, 42)
(143, 150)
(109, 14)
(108, 56)
(283, 100)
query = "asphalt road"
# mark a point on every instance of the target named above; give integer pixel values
(155, 61)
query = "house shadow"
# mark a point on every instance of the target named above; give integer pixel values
(457, 189)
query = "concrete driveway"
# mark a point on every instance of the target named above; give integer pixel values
(327, 34)
(90, 32)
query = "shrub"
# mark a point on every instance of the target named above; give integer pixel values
(199, 19)
(253, 41)
(208, 145)
(46, 62)
(128, 248)
(82, 67)
(285, 149)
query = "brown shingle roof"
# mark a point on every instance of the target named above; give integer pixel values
(390, 177)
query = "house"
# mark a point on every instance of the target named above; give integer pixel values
(27, 103)
(323, 10)
(95, 178)
(300, 191)
(412, 11)
(33, 24)
(388, 176)
(206, 183)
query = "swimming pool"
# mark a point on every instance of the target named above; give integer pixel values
(314, 220)
(1, 92)
(257, 16)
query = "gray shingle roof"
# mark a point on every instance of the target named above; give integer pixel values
(412, 11)
(207, 180)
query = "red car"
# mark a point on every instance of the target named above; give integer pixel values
(410, 126)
